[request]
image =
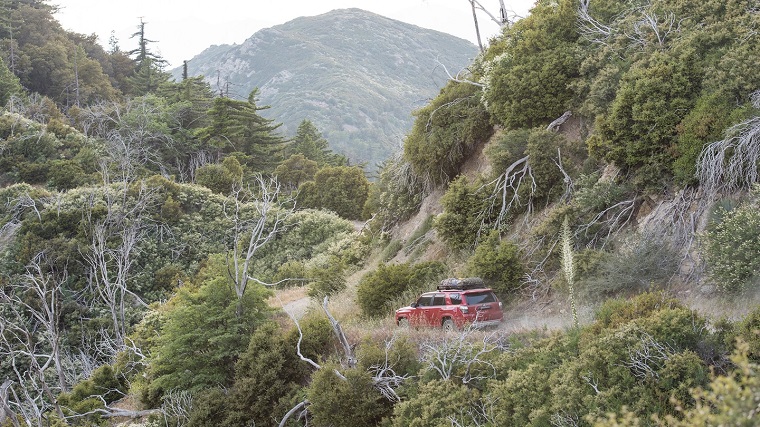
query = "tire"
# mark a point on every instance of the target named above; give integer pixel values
(403, 323)
(448, 325)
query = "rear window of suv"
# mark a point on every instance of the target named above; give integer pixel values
(480, 298)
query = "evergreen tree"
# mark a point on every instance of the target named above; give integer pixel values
(9, 84)
(310, 142)
(149, 72)
(236, 126)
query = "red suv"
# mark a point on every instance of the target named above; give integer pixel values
(458, 302)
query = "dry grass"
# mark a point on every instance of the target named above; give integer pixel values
(287, 295)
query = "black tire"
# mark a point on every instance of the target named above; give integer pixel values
(448, 325)
(403, 323)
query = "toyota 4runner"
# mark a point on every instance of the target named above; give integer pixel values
(456, 303)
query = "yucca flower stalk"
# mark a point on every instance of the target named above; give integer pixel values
(568, 267)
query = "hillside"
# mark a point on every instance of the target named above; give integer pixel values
(598, 168)
(356, 75)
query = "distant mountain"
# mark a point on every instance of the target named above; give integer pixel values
(356, 75)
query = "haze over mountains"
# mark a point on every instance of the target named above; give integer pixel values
(356, 75)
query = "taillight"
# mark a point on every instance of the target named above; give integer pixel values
(464, 309)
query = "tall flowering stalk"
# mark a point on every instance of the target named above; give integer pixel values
(568, 266)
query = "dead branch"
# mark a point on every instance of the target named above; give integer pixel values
(458, 78)
(590, 28)
(505, 193)
(649, 356)
(559, 121)
(730, 164)
(458, 353)
(250, 233)
(612, 219)
(177, 405)
(348, 349)
(650, 24)
(293, 410)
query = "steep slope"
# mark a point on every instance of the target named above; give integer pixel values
(356, 75)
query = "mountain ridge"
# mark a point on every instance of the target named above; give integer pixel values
(357, 75)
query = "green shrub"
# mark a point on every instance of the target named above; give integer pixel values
(436, 404)
(340, 189)
(327, 278)
(349, 402)
(445, 132)
(748, 331)
(732, 248)
(377, 289)
(528, 81)
(215, 177)
(616, 312)
(464, 206)
(498, 263)
(391, 250)
(640, 128)
(85, 396)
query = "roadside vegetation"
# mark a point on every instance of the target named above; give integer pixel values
(145, 223)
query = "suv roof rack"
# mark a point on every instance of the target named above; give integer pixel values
(461, 284)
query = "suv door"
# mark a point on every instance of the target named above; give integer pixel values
(435, 313)
(419, 315)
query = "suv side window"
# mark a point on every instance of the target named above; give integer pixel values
(456, 299)
(439, 299)
(480, 298)
(425, 301)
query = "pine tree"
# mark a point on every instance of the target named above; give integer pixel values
(149, 72)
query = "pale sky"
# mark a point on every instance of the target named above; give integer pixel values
(182, 30)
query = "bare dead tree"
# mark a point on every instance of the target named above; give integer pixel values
(459, 356)
(502, 19)
(590, 28)
(131, 136)
(257, 214)
(39, 294)
(384, 378)
(17, 208)
(177, 405)
(32, 393)
(564, 419)
(609, 221)
(505, 193)
(730, 164)
(647, 357)
(645, 26)
(6, 413)
(113, 246)
(650, 26)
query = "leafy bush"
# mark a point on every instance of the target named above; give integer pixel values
(377, 289)
(436, 404)
(349, 402)
(640, 128)
(445, 132)
(340, 189)
(84, 396)
(205, 331)
(464, 205)
(498, 263)
(528, 78)
(732, 248)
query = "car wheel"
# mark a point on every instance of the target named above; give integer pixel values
(403, 322)
(448, 325)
